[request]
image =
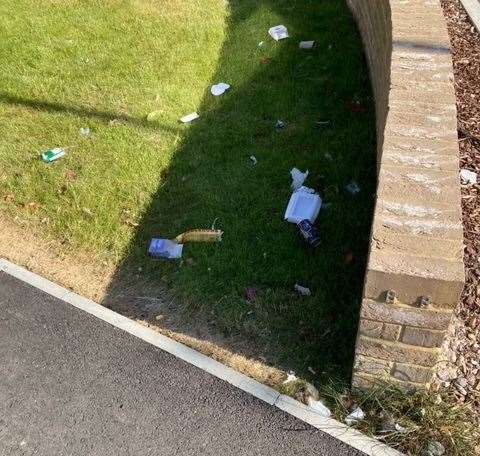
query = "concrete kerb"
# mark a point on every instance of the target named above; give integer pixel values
(330, 426)
(472, 7)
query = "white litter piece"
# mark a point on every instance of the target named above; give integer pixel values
(468, 177)
(189, 117)
(320, 408)
(51, 155)
(354, 417)
(298, 178)
(306, 44)
(353, 188)
(219, 89)
(304, 291)
(291, 377)
(400, 428)
(279, 32)
(261, 43)
(303, 205)
(85, 131)
(253, 159)
(279, 124)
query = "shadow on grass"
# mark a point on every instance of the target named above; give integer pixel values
(212, 179)
(106, 116)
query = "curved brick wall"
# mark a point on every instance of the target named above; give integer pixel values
(416, 245)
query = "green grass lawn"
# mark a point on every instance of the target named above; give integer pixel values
(107, 64)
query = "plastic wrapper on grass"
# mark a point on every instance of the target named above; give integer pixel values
(279, 32)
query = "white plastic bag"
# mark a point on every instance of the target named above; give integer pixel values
(298, 178)
(219, 89)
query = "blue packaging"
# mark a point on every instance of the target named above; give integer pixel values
(309, 233)
(164, 248)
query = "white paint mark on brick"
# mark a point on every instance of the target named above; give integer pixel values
(425, 227)
(411, 210)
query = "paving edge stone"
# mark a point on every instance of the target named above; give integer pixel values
(473, 10)
(332, 427)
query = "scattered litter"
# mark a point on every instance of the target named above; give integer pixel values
(250, 294)
(219, 89)
(291, 377)
(164, 248)
(309, 233)
(354, 417)
(261, 43)
(85, 131)
(265, 60)
(312, 371)
(87, 211)
(304, 291)
(303, 206)
(279, 32)
(306, 44)
(468, 177)
(199, 236)
(353, 188)
(435, 448)
(320, 408)
(322, 123)
(298, 178)
(53, 154)
(189, 117)
(400, 428)
(253, 159)
(159, 317)
(280, 124)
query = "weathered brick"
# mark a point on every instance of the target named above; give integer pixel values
(363, 382)
(379, 330)
(396, 351)
(372, 366)
(412, 373)
(422, 337)
(405, 315)
(416, 244)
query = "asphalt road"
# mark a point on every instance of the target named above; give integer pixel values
(71, 384)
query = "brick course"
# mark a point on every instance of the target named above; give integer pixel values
(417, 240)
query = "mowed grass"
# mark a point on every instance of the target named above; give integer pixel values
(107, 64)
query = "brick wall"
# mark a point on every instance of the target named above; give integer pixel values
(415, 270)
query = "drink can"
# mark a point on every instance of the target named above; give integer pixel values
(309, 232)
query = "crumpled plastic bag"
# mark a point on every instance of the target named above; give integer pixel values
(298, 178)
